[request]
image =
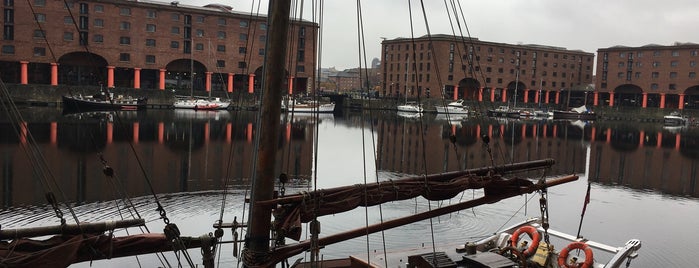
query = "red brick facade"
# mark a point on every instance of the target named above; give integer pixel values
(650, 76)
(481, 70)
(143, 40)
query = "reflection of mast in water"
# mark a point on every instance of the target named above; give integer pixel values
(587, 161)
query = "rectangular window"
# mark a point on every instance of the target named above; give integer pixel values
(222, 21)
(150, 59)
(67, 20)
(675, 53)
(39, 51)
(200, 19)
(694, 53)
(99, 8)
(301, 56)
(200, 33)
(9, 15)
(40, 17)
(263, 38)
(221, 48)
(82, 38)
(655, 75)
(150, 42)
(300, 68)
(8, 49)
(84, 9)
(674, 63)
(151, 14)
(124, 40)
(150, 28)
(673, 74)
(199, 46)
(124, 57)
(99, 23)
(654, 86)
(261, 52)
(243, 24)
(125, 11)
(692, 74)
(39, 3)
(175, 30)
(656, 64)
(263, 26)
(221, 35)
(9, 3)
(124, 25)
(187, 46)
(174, 44)
(243, 37)
(672, 87)
(242, 50)
(98, 38)
(68, 36)
(187, 19)
(242, 64)
(220, 63)
(83, 22)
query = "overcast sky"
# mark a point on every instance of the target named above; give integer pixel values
(574, 24)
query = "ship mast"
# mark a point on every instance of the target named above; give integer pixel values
(258, 237)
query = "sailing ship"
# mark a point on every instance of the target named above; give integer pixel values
(200, 103)
(82, 241)
(102, 101)
(580, 113)
(293, 105)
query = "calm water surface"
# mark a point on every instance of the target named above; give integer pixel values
(643, 176)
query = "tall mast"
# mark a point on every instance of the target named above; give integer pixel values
(258, 237)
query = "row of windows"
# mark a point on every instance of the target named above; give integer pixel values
(490, 51)
(150, 14)
(653, 75)
(151, 28)
(488, 59)
(656, 53)
(673, 63)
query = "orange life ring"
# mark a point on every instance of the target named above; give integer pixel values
(563, 256)
(533, 233)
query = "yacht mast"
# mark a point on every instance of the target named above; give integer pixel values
(257, 240)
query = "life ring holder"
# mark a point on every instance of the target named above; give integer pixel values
(563, 255)
(533, 233)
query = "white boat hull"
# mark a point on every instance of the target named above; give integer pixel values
(451, 110)
(312, 108)
(410, 108)
(201, 104)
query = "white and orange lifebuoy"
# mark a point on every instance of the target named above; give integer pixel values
(563, 255)
(533, 233)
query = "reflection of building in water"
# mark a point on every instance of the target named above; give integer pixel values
(401, 145)
(657, 160)
(663, 161)
(177, 156)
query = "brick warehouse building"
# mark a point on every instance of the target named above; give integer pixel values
(482, 71)
(649, 76)
(144, 44)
